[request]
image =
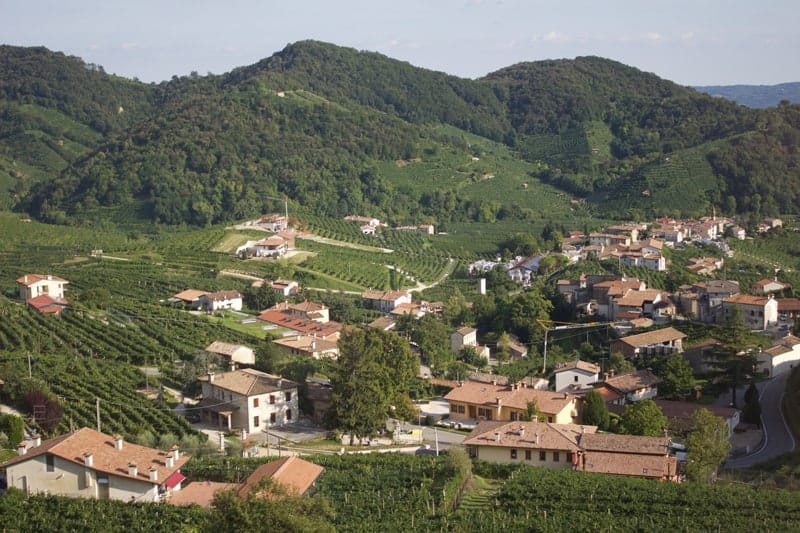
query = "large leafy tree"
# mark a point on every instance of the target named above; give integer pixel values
(595, 412)
(643, 418)
(371, 381)
(735, 357)
(677, 377)
(707, 446)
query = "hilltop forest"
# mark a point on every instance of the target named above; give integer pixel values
(337, 131)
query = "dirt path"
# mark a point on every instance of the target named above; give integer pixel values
(334, 242)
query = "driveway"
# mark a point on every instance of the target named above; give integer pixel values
(778, 440)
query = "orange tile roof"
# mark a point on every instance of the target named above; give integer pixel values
(301, 324)
(579, 365)
(528, 435)
(633, 381)
(626, 464)
(611, 442)
(747, 299)
(190, 295)
(296, 474)
(200, 493)
(250, 382)
(548, 402)
(106, 458)
(653, 337)
(33, 279)
(221, 296)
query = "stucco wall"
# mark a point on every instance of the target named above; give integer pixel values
(500, 454)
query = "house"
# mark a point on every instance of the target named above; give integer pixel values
(757, 312)
(492, 401)
(780, 358)
(523, 269)
(367, 229)
(607, 239)
(234, 353)
(215, 301)
(385, 301)
(306, 318)
(533, 443)
(90, 464)
(576, 375)
(466, 336)
(651, 303)
(767, 286)
(627, 455)
(273, 246)
(284, 287)
(318, 397)
(297, 476)
(530, 382)
(629, 387)
(705, 266)
(663, 341)
(368, 221)
(789, 307)
(43, 293)
(248, 399)
(308, 345)
(411, 309)
(190, 298)
(603, 292)
(273, 223)
(709, 296)
(386, 323)
(680, 414)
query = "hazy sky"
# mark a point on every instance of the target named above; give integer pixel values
(692, 42)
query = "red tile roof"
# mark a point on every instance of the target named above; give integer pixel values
(658, 336)
(528, 435)
(548, 402)
(33, 279)
(296, 474)
(301, 323)
(200, 493)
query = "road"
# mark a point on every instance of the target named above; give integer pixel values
(778, 439)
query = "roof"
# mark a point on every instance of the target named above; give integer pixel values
(225, 348)
(300, 323)
(272, 241)
(307, 343)
(547, 402)
(578, 365)
(747, 299)
(296, 474)
(685, 410)
(609, 395)
(200, 493)
(611, 442)
(530, 435)
(44, 303)
(221, 296)
(626, 464)
(634, 298)
(633, 381)
(389, 296)
(384, 322)
(464, 331)
(250, 382)
(720, 286)
(657, 336)
(788, 305)
(190, 295)
(105, 456)
(33, 279)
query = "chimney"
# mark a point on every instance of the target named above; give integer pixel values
(521, 431)
(537, 438)
(605, 376)
(313, 345)
(169, 461)
(176, 453)
(22, 449)
(460, 383)
(280, 382)
(499, 401)
(88, 459)
(132, 470)
(37, 440)
(583, 430)
(494, 381)
(233, 366)
(612, 372)
(211, 377)
(118, 442)
(497, 436)
(26, 279)
(153, 474)
(535, 418)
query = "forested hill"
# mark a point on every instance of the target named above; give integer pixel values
(317, 123)
(756, 96)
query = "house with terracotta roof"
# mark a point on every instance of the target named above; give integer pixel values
(43, 292)
(576, 375)
(273, 223)
(215, 301)
(781, 357)
(663, 341)
(649, 303)
(757, 312)
(533, 443)
(767, 286)
(385, 301)
(248, 399)
(679, 414)
(90, 464)
(627, 455)
(705, 298)
(306, 318)
(466, 336)
(492, 401)
(386, 323)
(284, 287)
(308, 346)
(789, 307)
(233, 353)
(295, 475)
(191, 298)
(629, 387)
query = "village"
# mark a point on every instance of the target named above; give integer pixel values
(547, 418)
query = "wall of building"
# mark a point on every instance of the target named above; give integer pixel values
(566, 379)
(127, 489)
(501, 454)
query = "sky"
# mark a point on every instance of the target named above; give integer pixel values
(691, 42)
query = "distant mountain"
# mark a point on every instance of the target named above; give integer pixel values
(756, 96)
(337, 131)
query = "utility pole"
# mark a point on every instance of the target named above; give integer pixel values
(30, 370)
(97, 409)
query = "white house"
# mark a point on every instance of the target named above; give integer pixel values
(90, 464)
(235, 353)
(214, 301)
(248, 399)
(576, 375)
(309, 346)
(463, 337)
(385, 301)
(33, 285)
(284, 287)
(757, 312)
(781, 357)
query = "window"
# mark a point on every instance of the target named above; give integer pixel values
(255, 402)
(555, 457)
(513, 453)
(288, 414)
(543, 456)
(550, 419)
(272, 418)
(271, 398)
(527, 455)
(461, 409)
(513, 416)
(255, 421)
(453, 408)
(50, 461)
(288, 396)
(575, 379)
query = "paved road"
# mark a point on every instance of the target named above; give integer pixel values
(778, 440)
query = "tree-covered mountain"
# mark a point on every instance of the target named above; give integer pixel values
(756, 96)
(318, 124)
